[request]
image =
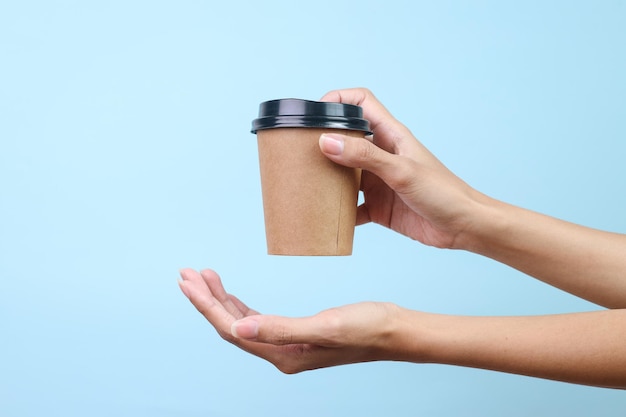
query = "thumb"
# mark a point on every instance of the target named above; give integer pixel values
(358, 153)
(274, 329)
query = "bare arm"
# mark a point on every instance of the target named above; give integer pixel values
(583, 348)
(583, 261)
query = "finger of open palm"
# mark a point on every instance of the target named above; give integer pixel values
(245, 310)
(210, 307)
(214, 283)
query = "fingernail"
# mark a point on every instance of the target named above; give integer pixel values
(332, 145)
(183, 287)
(245, 329)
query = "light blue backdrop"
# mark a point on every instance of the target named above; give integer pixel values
(125, 154)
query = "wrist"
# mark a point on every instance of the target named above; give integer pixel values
(485, 219)
(410, 336)
(422, 337)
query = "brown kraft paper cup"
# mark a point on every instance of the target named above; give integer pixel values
(309, 202)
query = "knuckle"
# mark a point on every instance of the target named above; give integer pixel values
(285, 337)
(366, 91)
(280, 335)
(363, 92)
(204, 306)
(365, 151)
(402, 176)
(333, 327)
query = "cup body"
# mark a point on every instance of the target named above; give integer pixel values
(309, 202)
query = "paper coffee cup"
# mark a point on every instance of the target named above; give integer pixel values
(309, 202)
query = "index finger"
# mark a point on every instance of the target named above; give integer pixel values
(373, 110)
(389, 133)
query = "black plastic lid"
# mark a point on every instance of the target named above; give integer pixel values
(292, 112)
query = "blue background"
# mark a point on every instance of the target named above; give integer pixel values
(125, 154)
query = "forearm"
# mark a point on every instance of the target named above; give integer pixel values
(582, 348)
(583, 261)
